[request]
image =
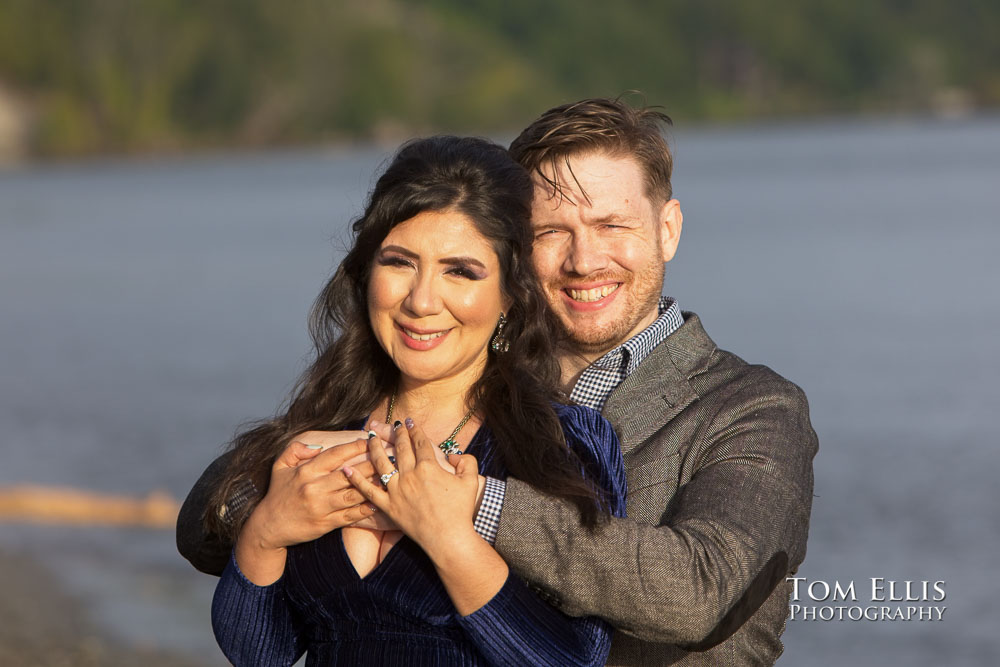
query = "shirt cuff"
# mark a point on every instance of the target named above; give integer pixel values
(488, 517)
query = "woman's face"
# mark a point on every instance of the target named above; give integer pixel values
(434, 297)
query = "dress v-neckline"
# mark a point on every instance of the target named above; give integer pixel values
(474, 443)
(378, 567)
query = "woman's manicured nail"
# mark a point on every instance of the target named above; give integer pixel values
(372, 434)
(397, 424)
(314, 446)
(373, 508)
(347, 471)
(409, 423)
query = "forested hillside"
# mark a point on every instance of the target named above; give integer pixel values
(89, 76)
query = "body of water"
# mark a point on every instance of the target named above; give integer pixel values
(148, 308)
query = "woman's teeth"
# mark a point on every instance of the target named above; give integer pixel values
(587, 295)
(416, 336)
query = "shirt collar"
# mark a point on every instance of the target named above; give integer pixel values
(627, 356)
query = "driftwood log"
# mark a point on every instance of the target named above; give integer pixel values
(42, 504)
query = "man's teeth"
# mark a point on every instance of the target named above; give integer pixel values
(431, 336)
(586, 295)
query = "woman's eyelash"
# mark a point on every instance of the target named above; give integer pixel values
(464, 272)
(393, 260)
(461, 271)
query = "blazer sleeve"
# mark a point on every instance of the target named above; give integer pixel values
(208, 553)
(254, 625)
(727, 536)
(517, 627)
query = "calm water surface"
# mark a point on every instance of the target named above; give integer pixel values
(148, 308)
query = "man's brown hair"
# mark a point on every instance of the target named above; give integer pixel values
(601, 125)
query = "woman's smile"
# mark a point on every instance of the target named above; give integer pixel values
(418, 339)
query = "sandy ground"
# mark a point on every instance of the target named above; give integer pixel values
(41, 626)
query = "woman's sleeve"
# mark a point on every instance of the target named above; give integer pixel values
(517, 627)
(595, 442)
(253, 624)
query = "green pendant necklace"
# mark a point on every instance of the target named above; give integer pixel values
(449, 446)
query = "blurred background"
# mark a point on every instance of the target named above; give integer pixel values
(177, 185)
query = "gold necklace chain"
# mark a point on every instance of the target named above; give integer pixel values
(449, 446)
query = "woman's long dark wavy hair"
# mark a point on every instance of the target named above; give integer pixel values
(352, 373)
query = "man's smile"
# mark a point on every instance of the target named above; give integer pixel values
(592, 294)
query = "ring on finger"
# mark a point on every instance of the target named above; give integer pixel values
(387, 476)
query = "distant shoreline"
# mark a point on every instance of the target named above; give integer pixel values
(211, 151)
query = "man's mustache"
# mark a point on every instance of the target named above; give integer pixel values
(599, 277)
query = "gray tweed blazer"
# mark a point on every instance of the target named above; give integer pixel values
(718, 455)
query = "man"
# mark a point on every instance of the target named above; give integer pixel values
(718, 453)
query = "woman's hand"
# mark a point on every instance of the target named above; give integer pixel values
(381, 520)
(422, 496)
(436, 509)
(388, 435)
(308, 496)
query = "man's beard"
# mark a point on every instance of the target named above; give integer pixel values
(642, 294)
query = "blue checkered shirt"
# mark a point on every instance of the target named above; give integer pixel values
(596, 383)
(600, 378)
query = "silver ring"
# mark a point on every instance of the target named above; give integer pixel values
(386, 477)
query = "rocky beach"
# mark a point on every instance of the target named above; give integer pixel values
(45, 626)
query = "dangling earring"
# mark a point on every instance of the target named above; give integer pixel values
(500, 343)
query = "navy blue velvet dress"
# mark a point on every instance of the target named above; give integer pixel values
(400, 613)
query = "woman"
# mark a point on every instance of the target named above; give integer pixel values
(433, 317)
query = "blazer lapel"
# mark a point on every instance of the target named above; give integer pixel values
(659, 389)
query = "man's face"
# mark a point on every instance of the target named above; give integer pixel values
(599, 251)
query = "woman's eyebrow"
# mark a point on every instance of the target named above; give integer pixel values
(464, 261)
(451, 261)
(401, 250)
